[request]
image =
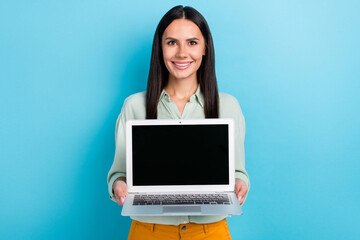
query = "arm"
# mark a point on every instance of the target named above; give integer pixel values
(242, 183)
(230, 108)
(117, 172)
(133, 108)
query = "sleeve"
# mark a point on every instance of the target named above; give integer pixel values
(230, 108)
(240, 171)
(118, 168)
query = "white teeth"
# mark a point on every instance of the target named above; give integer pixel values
(181, 64)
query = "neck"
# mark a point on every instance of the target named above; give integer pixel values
(181, 88)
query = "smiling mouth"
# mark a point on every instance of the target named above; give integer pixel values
(182, 66)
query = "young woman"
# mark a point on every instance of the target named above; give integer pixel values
(181, 84)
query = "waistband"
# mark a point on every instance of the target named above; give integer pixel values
(181, 227)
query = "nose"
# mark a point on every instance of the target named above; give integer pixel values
(182, 51)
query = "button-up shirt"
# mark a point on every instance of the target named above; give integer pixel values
(134, 108)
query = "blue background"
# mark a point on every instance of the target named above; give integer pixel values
(66, 67)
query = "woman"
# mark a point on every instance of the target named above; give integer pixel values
(181, 84)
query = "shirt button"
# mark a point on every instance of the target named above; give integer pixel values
(183, 228)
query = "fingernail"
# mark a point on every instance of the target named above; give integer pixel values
(239, 198)
(122, 199)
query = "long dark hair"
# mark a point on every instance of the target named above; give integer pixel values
(158, 74)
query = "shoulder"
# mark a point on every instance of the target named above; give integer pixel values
(135, 99)
(229, 106)
(134, 106)
(228, 100)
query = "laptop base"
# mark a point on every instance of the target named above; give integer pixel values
(180, 210)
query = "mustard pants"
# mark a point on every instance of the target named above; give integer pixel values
(193, 231)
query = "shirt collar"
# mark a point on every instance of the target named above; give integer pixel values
(165, 95)
(199, 96)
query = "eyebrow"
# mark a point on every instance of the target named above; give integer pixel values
(189, 39)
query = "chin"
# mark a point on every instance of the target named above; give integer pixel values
(180, 77)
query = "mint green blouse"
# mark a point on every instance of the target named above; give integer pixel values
(134, 108)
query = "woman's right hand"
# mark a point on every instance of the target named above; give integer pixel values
(119, 188)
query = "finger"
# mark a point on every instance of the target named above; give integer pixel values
(243, 195)
(122, 187)
(120, 190)
(237, 187)
(124, 190)
(239, 197)
(238, 184)
(118, 201)
(120, 197)
(242, 199)
(243, 190)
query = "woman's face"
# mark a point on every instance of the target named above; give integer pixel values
(183, 47)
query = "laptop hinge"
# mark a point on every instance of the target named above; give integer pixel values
(181, 192)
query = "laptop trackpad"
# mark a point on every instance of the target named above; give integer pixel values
(181, 209)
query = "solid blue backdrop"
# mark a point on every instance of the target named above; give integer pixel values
(67, 66)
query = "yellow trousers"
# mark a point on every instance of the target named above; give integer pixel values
(193, 231)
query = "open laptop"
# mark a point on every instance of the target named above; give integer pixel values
(180, 167)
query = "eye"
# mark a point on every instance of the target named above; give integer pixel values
(192, 43)
(171, 43)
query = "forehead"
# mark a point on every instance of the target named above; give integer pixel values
(182, 28)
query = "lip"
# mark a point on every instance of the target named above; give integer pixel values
(182, 65)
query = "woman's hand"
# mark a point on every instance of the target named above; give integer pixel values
(240, 190)
(119, 188)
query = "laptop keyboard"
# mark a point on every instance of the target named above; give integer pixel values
(181, 199)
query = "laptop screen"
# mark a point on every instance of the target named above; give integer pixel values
(180, 155)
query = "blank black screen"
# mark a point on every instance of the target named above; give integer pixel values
(180, 155)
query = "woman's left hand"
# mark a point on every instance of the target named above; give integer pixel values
(240, 190)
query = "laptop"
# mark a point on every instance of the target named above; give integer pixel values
(180, 168)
